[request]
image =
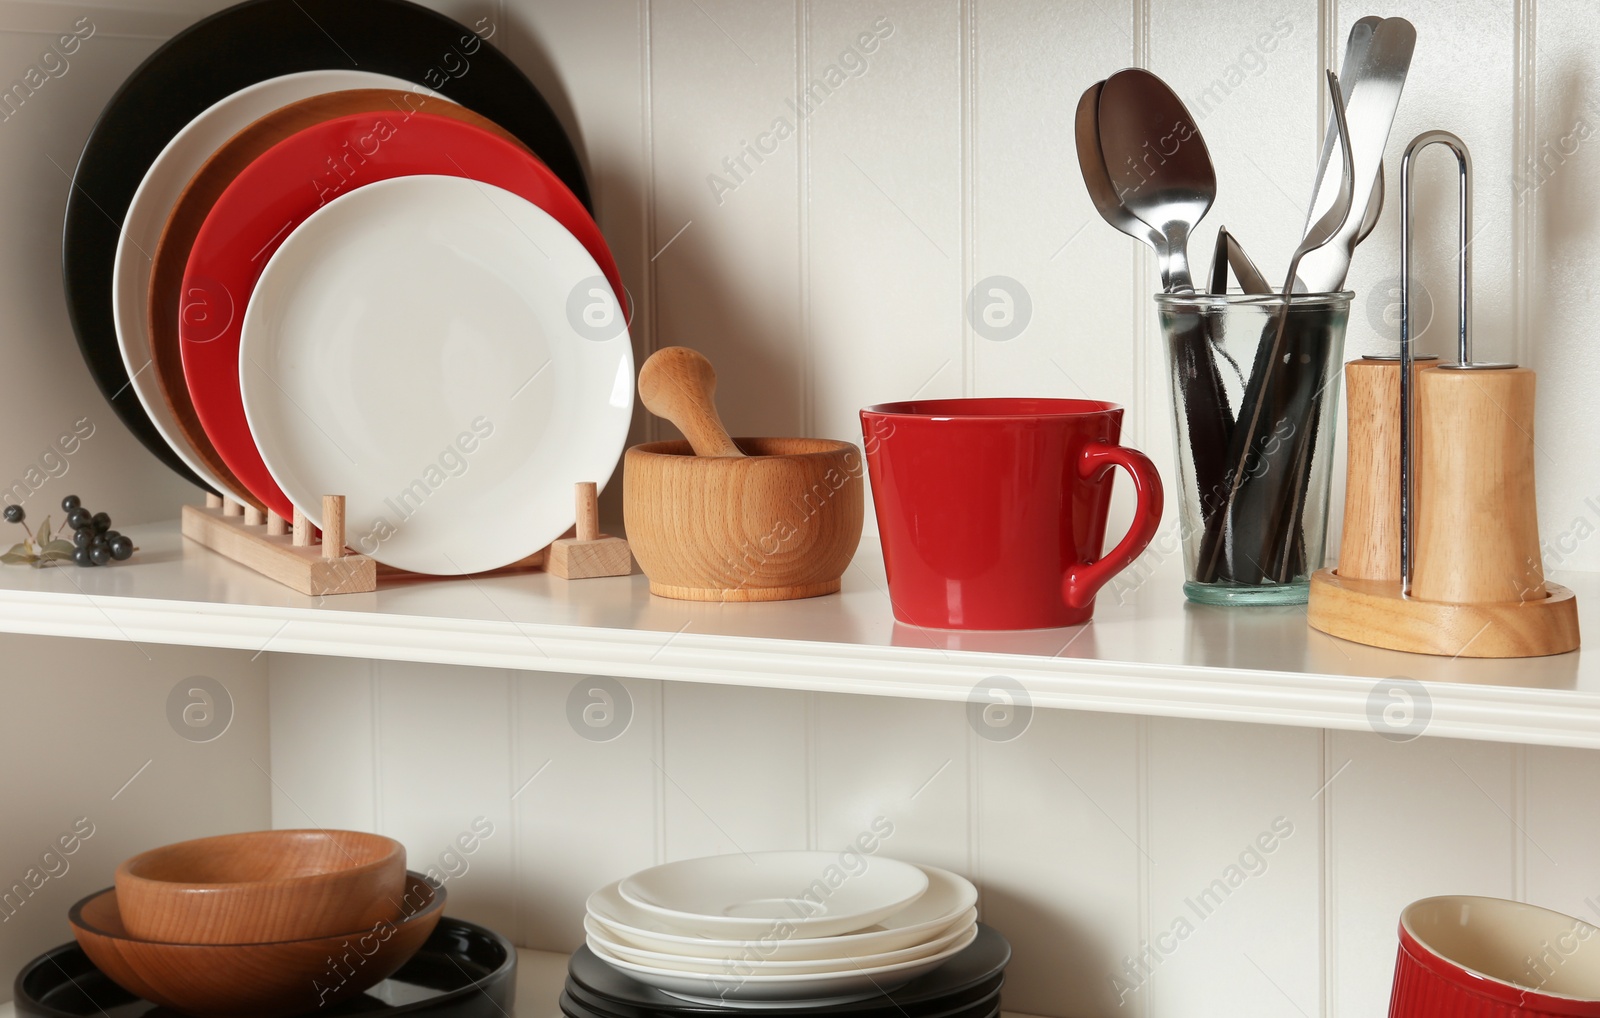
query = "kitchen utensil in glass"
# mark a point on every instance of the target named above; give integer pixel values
(1253, 527)
(748, 894)
(1230, 254)
(1374, 98)
(1374, 210)
(1158, 164)
(411, 346)
(1092, 164)
(1116, 193)
(993, 512)
(1303, 406)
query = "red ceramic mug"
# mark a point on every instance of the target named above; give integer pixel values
(992, 512)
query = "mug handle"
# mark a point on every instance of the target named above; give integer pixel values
(1084, 580)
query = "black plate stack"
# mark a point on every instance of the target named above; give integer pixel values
(462, 971)
(966, 986)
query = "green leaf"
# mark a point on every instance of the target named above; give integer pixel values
(55, 556)
(60, 546)
(11, 558)
(20, 549)
(43, 533)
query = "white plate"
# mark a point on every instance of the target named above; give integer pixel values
(152, 203)
(947, 898)
(718, 988)
(763, 958)
(751, 895)
(414, 345)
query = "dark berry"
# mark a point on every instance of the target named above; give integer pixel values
(82, 538)
(97, 541)
(121, 548)
(112, 535)
(80, 518)
(102, 523)
(82, 557)
(14, 514)
(70, 503)
(99, 554)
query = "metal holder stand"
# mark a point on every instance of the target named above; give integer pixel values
(1539, 618)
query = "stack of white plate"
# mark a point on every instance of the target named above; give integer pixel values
(771, 927)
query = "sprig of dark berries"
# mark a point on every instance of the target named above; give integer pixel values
(93, 541)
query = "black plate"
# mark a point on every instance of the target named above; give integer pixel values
(963, 1004)
(970, 977)
(462, 971)
(233, 49)
(988, 1008)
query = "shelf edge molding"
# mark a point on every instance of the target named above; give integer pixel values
(1501, 714)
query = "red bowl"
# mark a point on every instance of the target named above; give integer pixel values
(1470, 957)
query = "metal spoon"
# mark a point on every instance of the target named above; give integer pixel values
(1158, 164)
(1092, 162)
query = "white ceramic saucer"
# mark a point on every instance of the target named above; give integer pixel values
(946, 900)
(817, 894)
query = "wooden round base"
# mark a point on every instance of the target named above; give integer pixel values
(1374, 613)
(789, 593)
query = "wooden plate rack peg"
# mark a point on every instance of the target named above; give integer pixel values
(281, 550)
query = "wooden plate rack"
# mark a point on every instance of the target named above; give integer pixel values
(295, 554)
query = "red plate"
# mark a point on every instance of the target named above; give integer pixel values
(277, 192)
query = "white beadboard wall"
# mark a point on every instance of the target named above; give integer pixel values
(836, 273)
(1091, 836)
(87, 736)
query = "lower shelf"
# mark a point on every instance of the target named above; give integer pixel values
(540, 975)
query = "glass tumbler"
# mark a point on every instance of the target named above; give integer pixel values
(1255, 394)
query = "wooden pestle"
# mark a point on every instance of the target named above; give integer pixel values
(678, 385)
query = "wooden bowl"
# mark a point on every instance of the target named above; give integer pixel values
(262, 887)
(781, 522)
(255, 980)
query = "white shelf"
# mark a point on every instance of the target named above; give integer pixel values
(540, 976)
(1152, 654)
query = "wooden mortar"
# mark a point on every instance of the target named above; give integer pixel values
(778, 523)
